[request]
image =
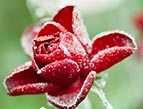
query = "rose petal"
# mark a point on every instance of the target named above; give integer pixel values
(27, 36)
(39, 41)
(50, 28)
(138, 21)
(51, 54)
(73, 48)
(110, 48)
(110, 39)
(70, 45)
(70, 97)
(140, 49)
(60, 71)
(43, 59)
(34, 65)
(64, 17)
(107, 58)
(24, 80)
(70, 18)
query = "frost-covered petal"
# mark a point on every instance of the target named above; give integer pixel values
(50, 28)
(107, 58)
(70, 18)
(110, 39)
(67, 46)
(71, 45)
(74, 50)
(110, 48)
(28, 35)
(62, 72)
(44, 59)
(24, 80)
(69, 97)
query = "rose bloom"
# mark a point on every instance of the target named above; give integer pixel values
(64, 61)
(138, 22)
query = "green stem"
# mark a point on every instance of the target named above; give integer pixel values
(86, 104)
(96, 89)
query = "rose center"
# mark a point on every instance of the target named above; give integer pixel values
(47, 45)
(50, 47)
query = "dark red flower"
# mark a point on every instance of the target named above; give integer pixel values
(140, 49)
(64, 60)
(138, 21)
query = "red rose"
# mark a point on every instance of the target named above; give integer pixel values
(64, 61)
(58, 55)
(138, 21)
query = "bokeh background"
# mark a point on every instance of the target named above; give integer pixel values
(124, 87)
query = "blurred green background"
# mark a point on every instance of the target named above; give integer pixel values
(124, 84)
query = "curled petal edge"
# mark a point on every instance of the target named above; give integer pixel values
(60, 71)
(108, 56)
(121, 34)
(74, 24)
(76, 97)
(51, 27)
(20, 82)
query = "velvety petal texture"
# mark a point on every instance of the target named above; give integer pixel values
(70, 97)
(74, 25)
(50, 28)
(60, 71)
(74, 50)
(24, 80)
(109, 48)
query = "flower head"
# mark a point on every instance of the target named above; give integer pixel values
(138, 21)
(64, 61)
